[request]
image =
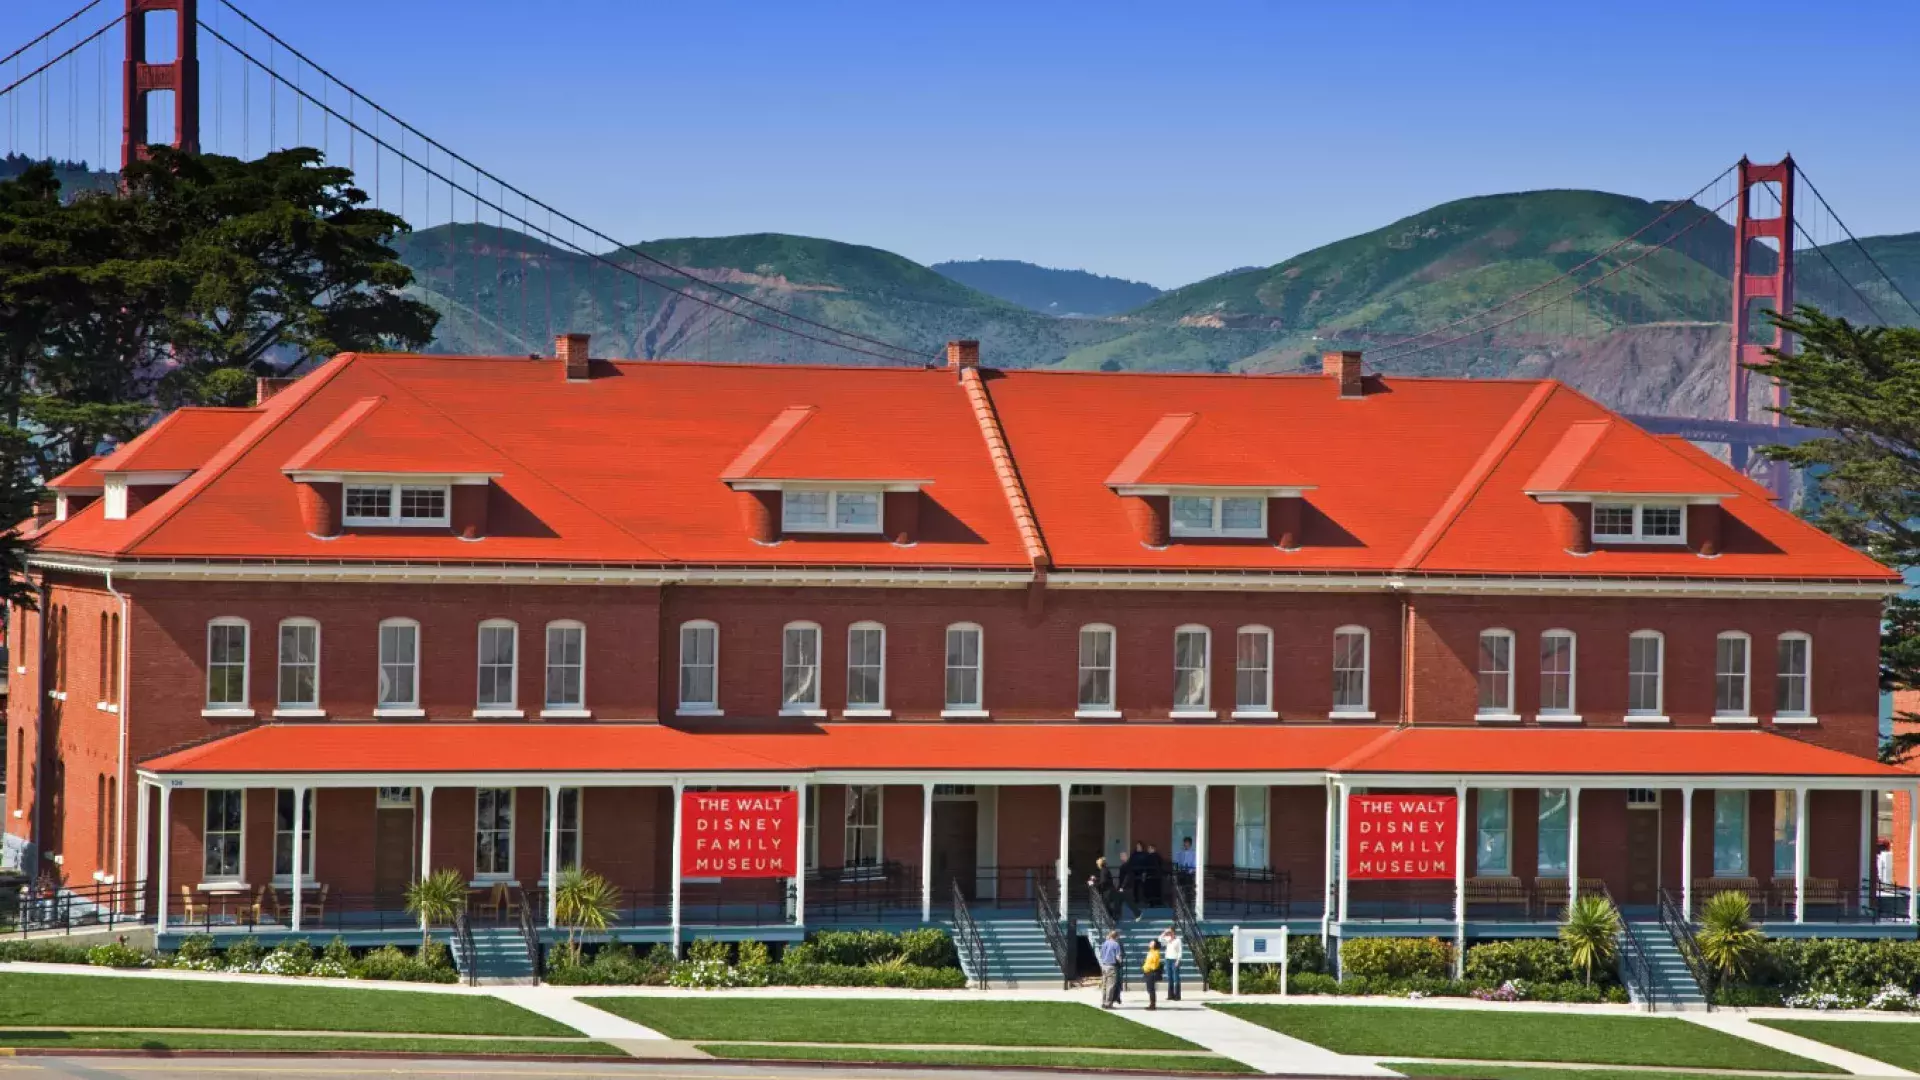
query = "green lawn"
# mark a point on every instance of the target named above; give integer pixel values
(1382, 1031)
(848, 1020)
(1500, 1072)
(56, 1001)
(149, 1040)
(1055, 1059)
(1894, 1042)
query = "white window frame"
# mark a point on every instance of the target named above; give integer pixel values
(1803, 714)
(693, 706)
(1250, 830)
(977, 707)
(801, 708)
(1639, 534)
(510, 708)
(307, 828)
(1504, 681)
(833, 524)
(411, 706)
(559, 707)
(1785, 832)
(878, 801)
(1742, 713)
(1109, 709)
(207, 833)
(1202, 709)
(1658, 713)
(1731, 798)
(1570, 712)
(1262, 709)
(1217, 499)
(286, 706)
(513, 795)
(877, 707)
(243, 706)
(578, 832)
(393, 518)
(1563, 830)
(1347, 710)
(1484, 799)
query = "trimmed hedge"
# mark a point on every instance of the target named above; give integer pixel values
(1396, 958)
(922, 959)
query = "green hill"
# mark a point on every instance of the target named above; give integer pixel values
(1050, 291)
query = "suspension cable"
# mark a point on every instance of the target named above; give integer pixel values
(1821, 250)
(57, 27)
(74, 48)
(1858, 246)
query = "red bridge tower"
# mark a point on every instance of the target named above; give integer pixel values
(1767, 241)
(181, 76)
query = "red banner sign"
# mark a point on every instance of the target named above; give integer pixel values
(1402, 837)
(730, 834)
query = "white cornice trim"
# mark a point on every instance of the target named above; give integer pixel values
(1688, 498)
(1750, 588)
(337, 476)
(145, 477)
(1267, 490)
(777, 484)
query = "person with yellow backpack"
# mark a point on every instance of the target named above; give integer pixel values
(1150, 973)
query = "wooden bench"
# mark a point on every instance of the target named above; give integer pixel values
(1705, 889)
(1501, 891)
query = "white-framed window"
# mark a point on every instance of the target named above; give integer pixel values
(1639, 523)
(830, 510)
(1218, 515)
(283, 835)
(866, 666)
(393, 798)
(1096, 668)
(1253, 670)
(1496, 673)
(1350, 647)
(1192, 663)
(569, 831)
(1493, 821)
(799, 667)
(964, 684)
(299, 680)
(1732, 663)
(1557, 654)
(1729, 834)
(1554, 831)
(810, 827)
(862, 826)
(1186, 817)
(566, 665)
(493, 833)
(699, 666)
(1250, 828)
(1646, 667)
(499, 664)
(1793, 681)
(224, 825)
(410, 505)
(227, 663)
(399, 664)
(1785, 863)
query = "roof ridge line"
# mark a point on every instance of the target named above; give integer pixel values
(785, 425)
(1000, 451)
(1476, 477)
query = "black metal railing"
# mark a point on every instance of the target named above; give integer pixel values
(1192, 937)
(860, 892)
(531, 938)
(1679, 927)
(1005, 886)
(47, 906)
(1059, 937)
(1502, 900)
(1828, 901)
(1634, 965)
(1238, 890)
(966, 937)
(272, 909)
(464, 954)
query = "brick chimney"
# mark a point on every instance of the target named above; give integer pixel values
(572, 351)
(963, 354)
(265, 387)
(1345, 368)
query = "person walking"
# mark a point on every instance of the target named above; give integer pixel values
(1172, 950)
(1150, 973)
(1110, 970)
(1101, 889)
(1156, 877)
(1133, 880)
(1883, 863)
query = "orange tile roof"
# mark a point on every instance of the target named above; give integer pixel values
(1606, 752)
(181, 441)
(82, 478)
(1616, 458)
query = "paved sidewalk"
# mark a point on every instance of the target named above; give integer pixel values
(1824, 1053)
(560, 1005)
(1250, 1044)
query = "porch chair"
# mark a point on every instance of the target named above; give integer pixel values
(266, 902)
(313, 905)
(191, 910)
(496, 900)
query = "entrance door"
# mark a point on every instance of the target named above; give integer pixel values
(956, 846)
(1086, 841)
(393, 867)
(1643, 855)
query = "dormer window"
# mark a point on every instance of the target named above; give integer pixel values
(829, 510)
(1219, 515)
(1639, 523)
(409, 505)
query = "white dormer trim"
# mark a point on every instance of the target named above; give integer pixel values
(1672, 498)
(1231, 491)
(412, 479)
(827, 485)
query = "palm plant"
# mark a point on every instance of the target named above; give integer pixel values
(436, 899)
(583, 901)
(1729, 942)
(1591, 933)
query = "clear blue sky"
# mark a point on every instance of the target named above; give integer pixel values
(1157, 141)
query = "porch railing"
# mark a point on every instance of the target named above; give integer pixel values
(1499, 901)
(1679, 927)
(966, 937)
(1059, 937)
(861, 892)
(531, 939)
(45, 906)
(1004, 886)
(1238, 890)
(465, 957)
(272, 910)
(1192, 937)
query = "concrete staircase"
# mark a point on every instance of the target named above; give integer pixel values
(1673, 985)
(1017, 954)
(500, 957)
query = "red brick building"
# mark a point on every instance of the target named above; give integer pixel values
(408, 610)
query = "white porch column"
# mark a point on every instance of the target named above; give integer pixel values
(299, 849)
(1459, 880)
(1913, 856)
(140, 849)
(1326, 878)
(426, 838)
(553, 856)
(1866, 840)
(1573, 847)
(1060, 872)
(1200, 853)
(800, 858)
(1686, 853)
(926, 854)
(1345, 824)
(1800, 855)
(673, 897)
(166, 845)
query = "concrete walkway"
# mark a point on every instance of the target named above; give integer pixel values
(561, 1006)
(1826, 1054)
(1250, 1044)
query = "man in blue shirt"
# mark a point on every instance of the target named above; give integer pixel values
(1110, 970)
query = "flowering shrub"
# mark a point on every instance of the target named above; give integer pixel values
(1894, 999)
(1511, 990)
(703, 975)
(118, 954)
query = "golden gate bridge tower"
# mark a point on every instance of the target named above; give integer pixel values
(1762, 281)
(179, 78)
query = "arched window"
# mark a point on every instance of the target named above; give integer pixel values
(964, 666)
(1495, 672)
(399, 667)
(1557, 652)
(1192, 666)
(566, 667)
(499, 666)
(299, 675)
(866, 667)
(699, 667)
(1646, 674)
(1732, 676)
(1253, 672)
(1351, 644)
(800, 668)
(1793, 680)
(1096, 670)
(227, 665)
